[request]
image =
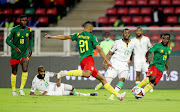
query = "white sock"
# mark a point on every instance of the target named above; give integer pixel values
(117, 89)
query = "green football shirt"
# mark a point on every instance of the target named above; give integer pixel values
(106, 45)
(161, 55)
(20, 39)
(86, 42)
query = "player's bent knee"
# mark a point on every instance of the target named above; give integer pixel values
(86, 73)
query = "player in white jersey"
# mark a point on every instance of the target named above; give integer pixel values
(122, 52)
(42, 83)
(141, 47)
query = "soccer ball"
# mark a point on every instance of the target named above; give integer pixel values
(138, 92)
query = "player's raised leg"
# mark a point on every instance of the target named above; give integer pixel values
(24, 76)
(13, 79)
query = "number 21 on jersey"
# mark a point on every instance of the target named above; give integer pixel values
(83, 46)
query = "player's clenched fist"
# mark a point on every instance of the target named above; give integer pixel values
(47, 35)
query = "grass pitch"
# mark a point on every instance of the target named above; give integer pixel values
(158, 101)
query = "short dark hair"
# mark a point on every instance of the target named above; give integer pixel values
(87, 23)
(22, 16)
(124, 30)
(40, 67)
(167, 34)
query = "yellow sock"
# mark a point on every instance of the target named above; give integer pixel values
(144, 82)
(74, 73)
(108, 87)
(13, 82)
(147, 88)
(23, 79)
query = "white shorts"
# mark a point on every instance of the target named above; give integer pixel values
(141, 66)
(121, 70)
(53, 90)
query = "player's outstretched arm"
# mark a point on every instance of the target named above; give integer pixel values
(45, 92)
(147, 57)
(101, 52)
(167, 67)
(59, 80)
(61, 37)
(107, 56)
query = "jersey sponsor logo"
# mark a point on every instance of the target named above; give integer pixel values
(92, 68)
(161, 51)
(27, 34)
(169, 52)
(18, 34)
(151, 72)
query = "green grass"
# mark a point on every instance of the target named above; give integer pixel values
(158, 101)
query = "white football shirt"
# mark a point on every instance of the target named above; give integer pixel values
(141, 47)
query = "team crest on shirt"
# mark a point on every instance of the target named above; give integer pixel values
(151, 72)
(18, 34)
(92, 68)
(22, 36)
(161, 51)
(169, 52)
(27, 34)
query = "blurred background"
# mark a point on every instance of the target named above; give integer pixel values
(110, 17)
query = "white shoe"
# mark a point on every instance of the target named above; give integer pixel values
(14, 93)
(111, 98)
(21, 92)
(99, 86)
(121, 96)
(61, 74)
(151, 90)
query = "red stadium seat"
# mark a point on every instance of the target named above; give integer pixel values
(147, 35)
(177, 38)
(119, 3)
(126, 19)
(18, 11)
(177, 10)
(111, 12)
(137, 20)
(122, 11)
(17, 20)
(175, 2)
(168, 10)
(172, 19)
(61, 2)
(51, 11)
(153, 2)
(131, 2)
(145, 11)
(165, 2)
(43, 20)
(142, 2)
(40, 11)
(153, 30)
(147, 20)
(155, 37)
(112, 19)
(134, 11)
(166, 30)
(103, 21)
(7, 11)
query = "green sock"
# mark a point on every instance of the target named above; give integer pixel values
(119, 86)
(137, 83)
(75, 93)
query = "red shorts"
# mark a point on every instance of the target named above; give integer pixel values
(153, 71)
(17, 61)
(88, 64)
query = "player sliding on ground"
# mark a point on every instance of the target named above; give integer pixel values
(160, 60)
(42, 84)
(122, 52)
(20, 35)
(86, 42)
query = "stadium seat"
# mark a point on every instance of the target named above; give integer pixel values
(147, 20)
(122, 11)
(29, 11)
(111, 12)
(51, 11)
(155, 37)
(126, 19)
(168, 11)
(172, 19)
(153, 30)
(175, 2)
(112, 20)
(137, 20)
(43, 21)
(154, 2)
(18, 12)
(131, 2)
(134, 11)
(40, 11)
(142, 2)
(7, 11)
(177, 38)
(165, 29)
(102, 21)
(119, 3)
(145, 11)
(165, 2)
(177, 10)
(17, 21)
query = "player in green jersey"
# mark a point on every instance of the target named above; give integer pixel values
(160, 60)
(22, 38)
(86, 42)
